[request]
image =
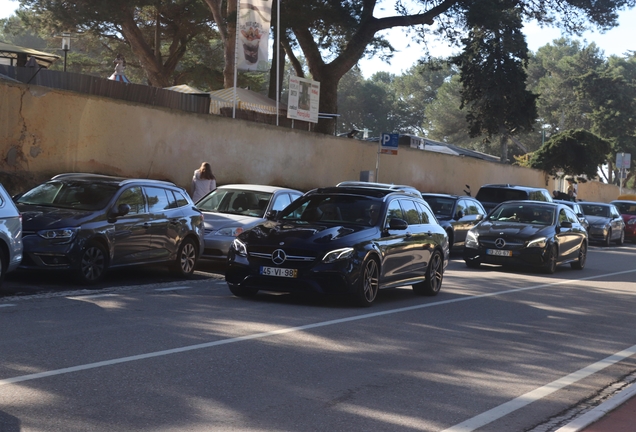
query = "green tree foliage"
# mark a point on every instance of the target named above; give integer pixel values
(612, 93)
(417, 89)
(553, 74)
(157, 33)
(573, 152)
(335, 35)
(493, 75)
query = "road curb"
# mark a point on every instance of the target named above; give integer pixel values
(600, 411)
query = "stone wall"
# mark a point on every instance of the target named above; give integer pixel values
(44, 132)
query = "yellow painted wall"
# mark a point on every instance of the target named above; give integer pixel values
(44, 132)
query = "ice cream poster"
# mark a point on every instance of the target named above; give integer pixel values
(253, 34)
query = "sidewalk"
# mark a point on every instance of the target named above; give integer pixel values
(617, 414)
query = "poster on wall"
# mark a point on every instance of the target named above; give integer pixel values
(304, 97)
(253, 34)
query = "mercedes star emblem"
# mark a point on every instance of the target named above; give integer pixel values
(499, 243)
(279, 256)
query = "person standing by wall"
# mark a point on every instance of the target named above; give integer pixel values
(203, 181)
(573, 188)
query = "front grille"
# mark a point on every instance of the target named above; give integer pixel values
(296, 258)
(511, 243)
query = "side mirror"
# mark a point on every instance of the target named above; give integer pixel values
(398, 224)
(122, 210)
(460, 214)
(271, 214)
(566, 224)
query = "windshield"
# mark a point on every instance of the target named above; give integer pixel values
(339, 209)
(626, 208)
(236, 201)
(75, 195)
(441, 206)
(498, 195)
(596, 210)
(529, 214)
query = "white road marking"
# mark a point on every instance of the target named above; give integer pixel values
(6, 305)
(174, 288)
(537, 394)
(469, 425)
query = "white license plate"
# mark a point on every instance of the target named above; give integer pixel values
(280, 272)
(499, 252)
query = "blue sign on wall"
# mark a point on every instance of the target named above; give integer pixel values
(389, 143)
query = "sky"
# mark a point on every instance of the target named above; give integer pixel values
(614, 42)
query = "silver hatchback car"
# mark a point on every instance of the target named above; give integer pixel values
(10, 234)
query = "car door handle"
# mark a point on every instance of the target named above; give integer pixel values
(408, 234)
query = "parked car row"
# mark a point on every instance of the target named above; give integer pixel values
(87, 224)
(354, 238)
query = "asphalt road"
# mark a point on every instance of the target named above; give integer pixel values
(496, 350)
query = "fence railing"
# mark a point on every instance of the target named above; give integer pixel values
(98, 86)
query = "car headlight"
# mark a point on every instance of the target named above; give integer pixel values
(239, 247)
(472, 240)
(229, 231)
(631, 221)
(61, 235)
(538, 242)
(338, 254)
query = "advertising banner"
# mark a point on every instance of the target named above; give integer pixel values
(304, 97)
(254, 17)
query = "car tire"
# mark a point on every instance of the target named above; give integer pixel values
(472, 264)
(579, 264)
(551, 262)
(240, 291)
(366, 289)
(434, 276)
(186, 258)
(94, 261)
(608, 240)
(621, 238)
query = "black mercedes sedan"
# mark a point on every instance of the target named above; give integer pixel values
(342, 240)
(530, 233)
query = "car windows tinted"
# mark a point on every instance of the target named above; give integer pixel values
(441, 206)
(497, 195)
(157, 199)
(626, 208)
(523, 214)
(75, 195)
(394, 211)
(595, 210)
(180, 199)
(333, 209)
(571, 217)
(461, 209)
(411, 213)
(134, 198)
(474, 208)
(426, 215)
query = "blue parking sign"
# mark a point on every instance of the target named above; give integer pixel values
(389, 143)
